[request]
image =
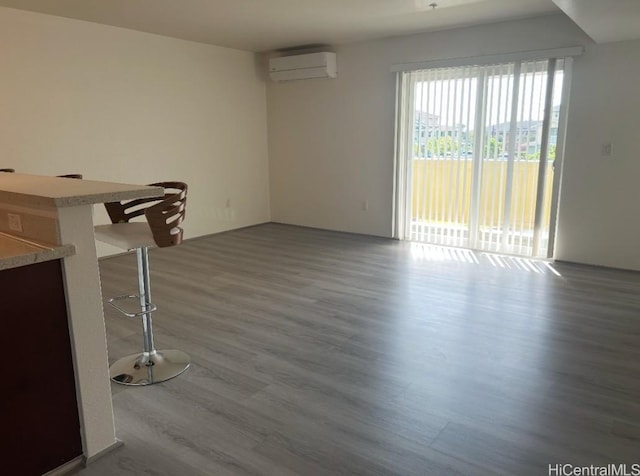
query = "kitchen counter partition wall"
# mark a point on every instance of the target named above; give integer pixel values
(44, 219)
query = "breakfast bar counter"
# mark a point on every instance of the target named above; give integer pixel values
(47, 243)
(15, 252)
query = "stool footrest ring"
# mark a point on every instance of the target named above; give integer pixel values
(150, 306)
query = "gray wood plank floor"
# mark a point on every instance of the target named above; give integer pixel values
(318, 353)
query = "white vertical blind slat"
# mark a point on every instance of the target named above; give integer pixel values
(511, 152)
(417, 128)
(430, 194)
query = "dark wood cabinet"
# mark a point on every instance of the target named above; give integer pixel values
(40, 427)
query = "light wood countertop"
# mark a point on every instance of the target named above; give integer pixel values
(40, 191)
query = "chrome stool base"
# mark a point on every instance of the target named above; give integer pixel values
(149, 368)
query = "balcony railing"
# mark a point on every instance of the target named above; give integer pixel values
(441, 202)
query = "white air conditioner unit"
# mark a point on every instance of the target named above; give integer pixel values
(309, 66)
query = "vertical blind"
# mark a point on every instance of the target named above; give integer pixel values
(477, 145)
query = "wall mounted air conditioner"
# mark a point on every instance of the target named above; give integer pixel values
(309, 66)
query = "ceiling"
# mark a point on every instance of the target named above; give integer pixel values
(605, 21)
(264, 25)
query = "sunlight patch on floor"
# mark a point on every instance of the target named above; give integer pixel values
(437, 253)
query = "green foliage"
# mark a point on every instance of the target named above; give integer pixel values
(441, 145)
(493, 148)
(536, 156)
(437, 147)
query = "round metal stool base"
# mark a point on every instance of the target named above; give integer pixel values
(141, 369)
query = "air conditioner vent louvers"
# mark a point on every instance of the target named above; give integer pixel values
(308, 66)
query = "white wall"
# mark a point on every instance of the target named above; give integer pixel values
(599, 220)
(124, 106)
(331, 141)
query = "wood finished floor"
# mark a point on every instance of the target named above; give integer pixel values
(318, 353)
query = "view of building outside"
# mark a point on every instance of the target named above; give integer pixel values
(432, 138)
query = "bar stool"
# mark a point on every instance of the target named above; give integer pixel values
(162, 228)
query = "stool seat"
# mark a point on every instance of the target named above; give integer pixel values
(127, 236)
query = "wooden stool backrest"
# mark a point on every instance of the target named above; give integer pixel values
(164, 214)
(76, 176)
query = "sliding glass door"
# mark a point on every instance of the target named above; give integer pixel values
(479, 145)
